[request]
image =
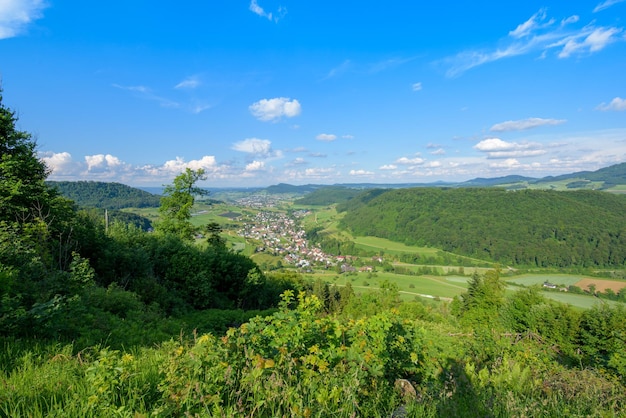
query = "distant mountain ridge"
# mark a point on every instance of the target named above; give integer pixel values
(117, 196)
(608, 177)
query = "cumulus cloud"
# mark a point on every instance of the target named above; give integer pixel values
(497, 148)
(16, 15)
(410, 161)
(520, 125)
(255, 166)
(606, 4)
(508, 163)
(275, 109)
(298, 161)
(416, 86)
(388, 167)
(260, 148)
(326, 137)
(254, 146)
(539, 34)
(616, 104)
(101, 162)
(60, 163)
(360, 173)
(178, 165)
(438, 151)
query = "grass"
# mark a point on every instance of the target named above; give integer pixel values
(557, 279)
(391, 247)
(578, 301)
(435, 286)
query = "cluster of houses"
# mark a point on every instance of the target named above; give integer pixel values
(280, 234)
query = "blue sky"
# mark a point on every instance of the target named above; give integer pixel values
(259, 92)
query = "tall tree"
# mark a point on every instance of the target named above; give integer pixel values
(23, 194)
(176, 204)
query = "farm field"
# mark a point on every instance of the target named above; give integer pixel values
(539, 279)
(601, 284)
(391, 247)
(447, 287)
(578, 301)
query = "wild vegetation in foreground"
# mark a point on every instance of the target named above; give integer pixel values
(111, 321)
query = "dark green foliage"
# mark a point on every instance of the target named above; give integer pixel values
(603, 337)
(95, 194)
(480, 305)
(529, 227)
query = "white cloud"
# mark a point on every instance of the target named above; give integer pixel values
(497, 148)
(616, 104)
(520, 125)
(258, 10)
(255, 166)
(60, 163)
(416, 86)
(410, 161)
(101, 162)
(260, 148)
(347, 136)
(189, 83)
(539, 35)
(594, 41)
(360, 173)
(298, 161)
(16, 15)
(326, 137)
(606, 4)
(254, 146)
(534, 23)
(494, 144)
(171, 168)
(439, 151)
(508, 163)
(570, 19)
(275, 109)
(388, 167)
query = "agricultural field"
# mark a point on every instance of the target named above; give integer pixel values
(540, 279)
(390, 247)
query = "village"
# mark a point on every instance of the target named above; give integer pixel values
(280, 233)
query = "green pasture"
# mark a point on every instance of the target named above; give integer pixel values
(577, 300)
(539, 279)
(390, 247)
(434, 286)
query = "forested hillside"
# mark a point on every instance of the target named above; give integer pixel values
(529, 227)
(94, 194)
